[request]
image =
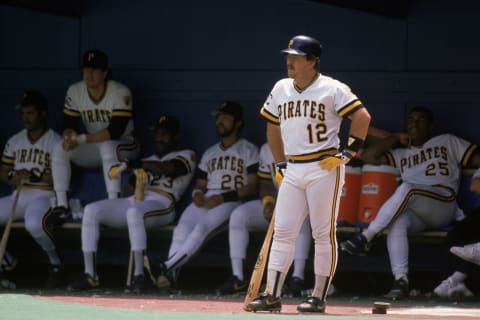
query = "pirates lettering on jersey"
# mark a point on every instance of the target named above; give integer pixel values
(32, 156)
(424, 156)
(226, 163)
(97, 115)
(302, 108)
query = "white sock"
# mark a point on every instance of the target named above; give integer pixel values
(53, 257)
(299, 268)
(89, 260)
(237, 268)
(112, 195)
(62, 199)
(138, 262)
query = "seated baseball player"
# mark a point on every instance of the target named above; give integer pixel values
(226, 175)
(430, 170)
(464, 243)
(25, 165)
(165, 176)
(104, 108)
(255, 215)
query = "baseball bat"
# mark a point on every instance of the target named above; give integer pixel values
(8, 225)
(138, 196)
(259, 269)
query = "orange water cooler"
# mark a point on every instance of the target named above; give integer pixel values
(377, 185)
(347, 213)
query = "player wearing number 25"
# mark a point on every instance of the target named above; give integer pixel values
(226, 175)
(430, 171)
(304, 113)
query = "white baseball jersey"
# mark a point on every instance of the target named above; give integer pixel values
(227, 168)
(266, 168)
(436, 162)
(23, 154)
(311, 117)
(174, 188)
(117, 101)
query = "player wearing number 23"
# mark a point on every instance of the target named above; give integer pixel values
(304, 113)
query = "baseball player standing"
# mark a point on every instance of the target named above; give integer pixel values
(105, 109)
(304, 113)
(430, 172)
(167, 173)
(226, 175)
(255, 215)
(26, 161)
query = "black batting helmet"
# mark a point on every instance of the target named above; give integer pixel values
(303, 46)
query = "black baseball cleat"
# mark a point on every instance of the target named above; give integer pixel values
(59, 215)
(138, 284)
(55, 276)
(167, 279)
(86, 282)
(265, 302)
(232, 285)
(399, 290)
(311, 304)
(357, 245)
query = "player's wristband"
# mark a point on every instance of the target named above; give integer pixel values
(354, 143)
(81, 138)
(230, 196)
(195, 191)
(268, 200)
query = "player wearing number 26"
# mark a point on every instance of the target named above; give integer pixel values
(304, 113)
(226, 175)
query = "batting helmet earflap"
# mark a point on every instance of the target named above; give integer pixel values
(303, 46)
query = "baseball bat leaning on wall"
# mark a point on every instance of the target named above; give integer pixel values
(8, 226)
(259, 269)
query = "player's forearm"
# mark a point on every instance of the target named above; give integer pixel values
(250, 190)
(274, 138)
(375, 153)
(359, 127)
(99, 136)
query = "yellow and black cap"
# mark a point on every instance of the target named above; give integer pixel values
(168, 122)
(95, 59)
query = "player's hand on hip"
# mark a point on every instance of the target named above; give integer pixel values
(331, 162)
(214, 201)
(280, 169)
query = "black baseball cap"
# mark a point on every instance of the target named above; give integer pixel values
(168, 122)
(35, 98)
(95, 59)
(232, 108)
